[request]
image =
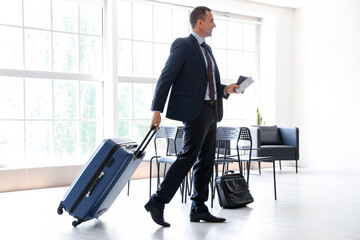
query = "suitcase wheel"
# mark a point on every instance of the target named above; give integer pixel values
(77, 222)
(60, 209)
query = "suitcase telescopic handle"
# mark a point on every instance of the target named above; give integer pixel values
(140, 150)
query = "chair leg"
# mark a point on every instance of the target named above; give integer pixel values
(212, 189)
(259, 165)
(274, 179)
(165, 169)
(280, 164)
(158, 173)
(150, 176)
(296, 166)
(248, 171)
(128, 190)
(182, 187)
(239, 162)
(241, 168)
(186, 188)
(212, 183)
(189, 188)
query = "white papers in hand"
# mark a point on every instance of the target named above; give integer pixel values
(244, 82)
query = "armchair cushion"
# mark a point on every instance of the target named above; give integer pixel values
(279, 152)
(270, 135)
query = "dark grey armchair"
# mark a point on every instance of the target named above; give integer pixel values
(280, 142)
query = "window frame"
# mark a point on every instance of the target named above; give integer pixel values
(23, 158)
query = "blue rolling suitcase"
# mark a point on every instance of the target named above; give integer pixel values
(103, 177)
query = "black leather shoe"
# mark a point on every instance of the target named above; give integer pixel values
(205, 216)
(157, 214)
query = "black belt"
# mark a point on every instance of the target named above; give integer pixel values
(211, 102)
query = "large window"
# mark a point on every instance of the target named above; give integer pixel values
(144, 39)
(145, 33)
(235, 46)
(52, 72)
(51, 85)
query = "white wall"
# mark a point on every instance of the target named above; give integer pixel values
(326, 84)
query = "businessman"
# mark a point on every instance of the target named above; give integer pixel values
(195, 99)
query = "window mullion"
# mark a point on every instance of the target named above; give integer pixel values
(111, 70)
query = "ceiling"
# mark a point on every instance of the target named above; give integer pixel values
(289, 3)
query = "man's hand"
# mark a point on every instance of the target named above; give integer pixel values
(156, 120)
(231, 88)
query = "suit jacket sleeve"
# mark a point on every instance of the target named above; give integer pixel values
(168, 75)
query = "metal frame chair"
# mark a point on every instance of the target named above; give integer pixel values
(165, 133)
(246, 146)
(170, 134)
(224, 137)
(149, 160)
(174, 138)
(241, 136)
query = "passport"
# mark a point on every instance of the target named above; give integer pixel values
(244, 82)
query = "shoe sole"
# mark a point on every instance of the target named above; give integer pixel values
(194, 220)
(198, 220)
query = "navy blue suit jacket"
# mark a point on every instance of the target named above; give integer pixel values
(185, 76)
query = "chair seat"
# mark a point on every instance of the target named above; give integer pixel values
(222, 161)
(149, 158)
(263, 159)
(279, 152)
(277, 146)
(167, 159)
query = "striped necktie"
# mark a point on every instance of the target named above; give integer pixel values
(209, 72)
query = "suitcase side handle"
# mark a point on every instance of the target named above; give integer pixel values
(139, 152)
(94, 184)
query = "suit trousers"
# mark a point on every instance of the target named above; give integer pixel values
(198, 151)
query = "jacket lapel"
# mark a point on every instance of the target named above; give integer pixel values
(198, 50)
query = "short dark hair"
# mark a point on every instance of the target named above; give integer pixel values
(198, 13)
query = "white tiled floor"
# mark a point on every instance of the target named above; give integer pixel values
(311, 205)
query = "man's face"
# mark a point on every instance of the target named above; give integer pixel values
(207, 24)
